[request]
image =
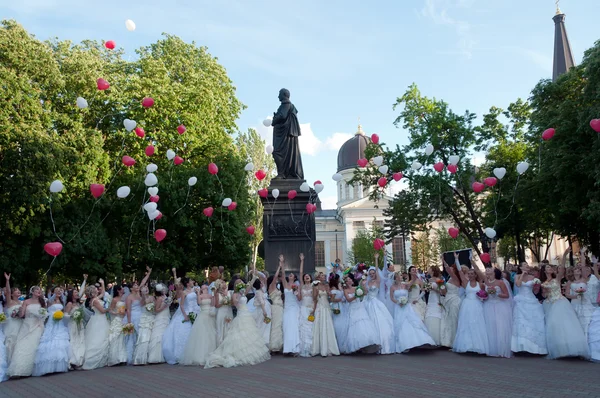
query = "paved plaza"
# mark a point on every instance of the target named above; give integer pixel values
(421, 374)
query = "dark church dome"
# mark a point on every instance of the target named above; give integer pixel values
(352, 150)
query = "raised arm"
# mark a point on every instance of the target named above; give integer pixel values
(100, 307)
(146, 277)
(273, 284)
(82, 287)
(7, 292)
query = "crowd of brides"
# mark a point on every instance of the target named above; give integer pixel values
(344, 311)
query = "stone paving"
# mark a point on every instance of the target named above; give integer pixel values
(435, 373)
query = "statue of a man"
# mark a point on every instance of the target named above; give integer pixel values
(286, 130)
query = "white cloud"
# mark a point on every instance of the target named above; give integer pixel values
(336, 141)
(328, 202)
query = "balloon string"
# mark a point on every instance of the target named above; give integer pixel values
(100, 223)
(46, 273)
(186, 199)
(120, 153)
(498, 195)
(222, 193)
(52, 219)
(87, 219)
(171, 172)
(513, 199)
(210, 238)
(148, 236)
(131, 233)
(291, 212)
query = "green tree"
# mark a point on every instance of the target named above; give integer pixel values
(362, 246)
(424, 250)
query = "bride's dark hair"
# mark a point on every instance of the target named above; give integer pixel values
(40, 297)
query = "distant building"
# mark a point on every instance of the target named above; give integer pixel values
(563, 57)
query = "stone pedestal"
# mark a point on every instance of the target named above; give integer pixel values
(287, 228)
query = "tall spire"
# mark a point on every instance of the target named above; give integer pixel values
(360, 130)
(563, 57)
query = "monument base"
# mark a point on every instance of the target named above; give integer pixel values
(287, 228)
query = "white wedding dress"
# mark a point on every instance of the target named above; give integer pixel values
(276, 338)
(433, 314)
(583, 305)
(594, 336)
(224, 313)
(117, 352)
(243, 344)
(142, 344)
(131, 339)
(3, 356)
(471, 333)
(291, 323)
(11, 330)
(410, 331)
(529, 329)
(52, 355)
(324, 342)
(77, 338)
(21, 364)
(161, 322)
(360, 337)
(203, 337)
(451, 302)
(382, 319)
(264, 328)
(178, 331)
(498, 314)
(340, 320)
(96, 341)
(306, 326)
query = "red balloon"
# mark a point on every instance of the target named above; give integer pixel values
(181, 129)
(148, 102)
(595, 124)
(177, 160)
(485, 257)
(317, 182)
(208, 212)
(102, 84)
(260, 175)
(439, 167)
(309, 208)
(160, 235)
(97, 190)
(140, 132)
(154, 198)
(263, 192)
(382, 182)
(375, 139)
(159, 216)
(128, 161)
(548, 133)
(453, 232)
(213, 168)
(452, 168)
(490, 181)
(232, 206)
(478, 187)
(292, 194)
(250, 229)
(110, 45)
(398, 176)
(149, 150)
(362, 162)
(53, 248)
(378, 244)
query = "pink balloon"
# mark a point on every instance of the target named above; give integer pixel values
(378, 244)
(128, 161)
(149, 151)
(478, 187)
(309, 208)
(159, 216)
(292, 194)
(548, 134)
(181, 129)
(140, 132)
(160, 235)
(208, 212)
(490, 181)
(595, 124)
(397, 176)
(452, 168)
(453, 232)
(97, 190)
(148, 102)
(110, 45)
(485, 257)
(382, 182)
(232, 206)
(362, 162)
(317, 182)
(102, 84)
(213, 168)
(439, 167)
(154, 198)
(250, 229)
(260, 175)
(263, 192)
(177, 160)
(375, 139)
(53, 248)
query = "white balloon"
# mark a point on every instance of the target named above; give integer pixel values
(192, 181)
(416, 165)
(150, 207)
(428, 149)
(378, 160)
(226, 202)
(319, 188)
(123, 192)
(153, 191)
(151, 180)
(275, 193)
(151, 168)
(130, 25)
(500, 172)
(383, 169)
(336, 177)
(152, 215)
(56, 186)
(129, 124)
(170, 154)
(304, 187)
(81, 103)
(522, 167)
(454, 159)
(490, 233)
(249, 167)
(267, 122)
(269, 149)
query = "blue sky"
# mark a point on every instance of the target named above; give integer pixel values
(340, 59)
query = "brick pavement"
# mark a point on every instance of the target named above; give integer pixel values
(433, 373)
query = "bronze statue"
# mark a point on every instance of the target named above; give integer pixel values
(286, 130)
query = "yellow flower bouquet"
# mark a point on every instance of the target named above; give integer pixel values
(311, 318)
(58, 316)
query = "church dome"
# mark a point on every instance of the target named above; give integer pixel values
(352, 150)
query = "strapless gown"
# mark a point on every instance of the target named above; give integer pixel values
(410, 331)
(52, 355)
(324, 342)
(203, 337)
(21, 364)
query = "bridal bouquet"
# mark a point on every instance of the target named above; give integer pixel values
(403, 301)
(43, 313)
(580, 291)
(482, 295)
(58, 315)
(335, 308)
(192, 316)
(311, 318)
(150, 307)
(226, 300)
(427, 286)
(359, 293)
(267, 320)
(239, 287)
(2, 317)
(77, 317)
(121, 310)
(128, 329)
(491, 290)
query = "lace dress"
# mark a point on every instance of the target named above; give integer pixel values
(471, 333)
(142, 344)
(340, 320)
(11, 329)
(529, 329)
(224, 313)
(451, 302)
(243, 344)
(117, 352)
(28, 339)
(276, 338)
(264, 328)
(306, 327)
(131, 339)
(324, 342)
(161, 322)
(433, 314)
(360, 337)
(291, 323)
(414, 294)
(564, 335)
(76, 338)
(203, 337)
(52, 355)
(582, 305)
(498, 315)
(382, 319)
(178, 332)
(410, 331)
(96, 341)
